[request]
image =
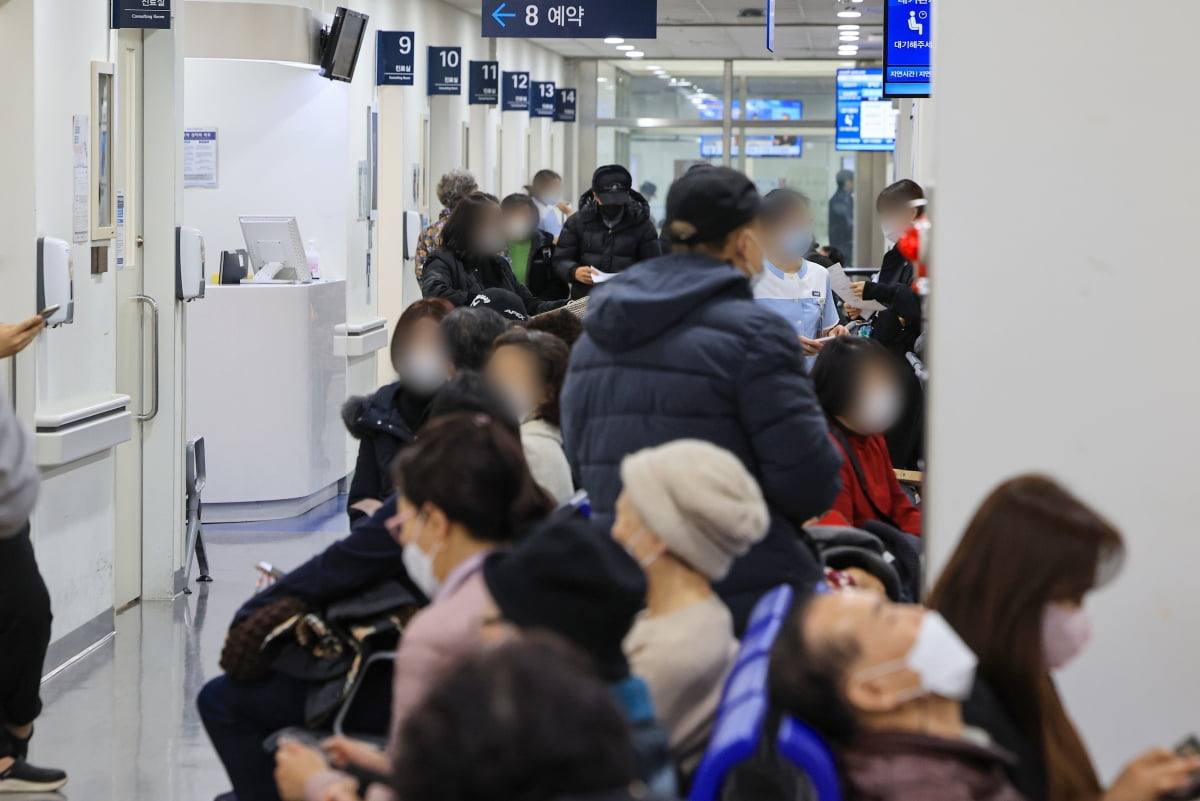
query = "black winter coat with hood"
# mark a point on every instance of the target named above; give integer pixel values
(382, 423)
(586, 241)
(679, 348)
(448, 275)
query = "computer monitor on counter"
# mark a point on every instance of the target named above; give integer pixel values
(276, 250)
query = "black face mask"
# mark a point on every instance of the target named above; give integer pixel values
(612, 213)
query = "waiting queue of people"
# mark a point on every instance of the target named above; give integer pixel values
(555, 653)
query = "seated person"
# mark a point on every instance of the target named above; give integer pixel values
(791, 285)
(858, 386)
(561, 323)
(529, 368)
(494, 728)
(687, 511)
(385, 422)
(239, 714)
(466, 491)
(469, 334)
(507, 304)
(530, 249)
(469, 391)
(469, 260)
(574, 580)
(884, 684)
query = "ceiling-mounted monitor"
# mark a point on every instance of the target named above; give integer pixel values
(865, 120)
(341, 44)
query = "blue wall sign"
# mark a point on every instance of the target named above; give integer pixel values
(565, 105)
(395, 58)
(907, 37)
(865, 120)
(445, 70)
(570, 19)
(141, 14)
(484, 89)
(514, 92)
(542, 99)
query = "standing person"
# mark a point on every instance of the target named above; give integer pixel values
(385, 422)
(611, 232)
(453, 187)
(24, 601)
(1025, 619)
(546, 189)
(469, 260)
(529, 368)
(531, 249)
(841, 216)
(898, 326)
(687, 510)
(678, 348)
(792, 286)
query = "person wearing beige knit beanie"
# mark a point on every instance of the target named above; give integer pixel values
(687, 511)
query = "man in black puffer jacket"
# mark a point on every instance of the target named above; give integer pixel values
(611, 232)
(679, 348)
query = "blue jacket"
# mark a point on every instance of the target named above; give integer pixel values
(676, 347)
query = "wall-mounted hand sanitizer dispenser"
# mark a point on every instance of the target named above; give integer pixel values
(189, 263)
(414, 226)
(54, 284)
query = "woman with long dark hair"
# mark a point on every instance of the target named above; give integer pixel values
(1015, 591)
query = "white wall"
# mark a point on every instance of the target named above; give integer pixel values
(282, 145)
(1060, 253)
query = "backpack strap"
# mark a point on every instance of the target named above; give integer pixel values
(844, 441)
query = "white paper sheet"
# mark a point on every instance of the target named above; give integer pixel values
(599, 276)
(81, 185)
(840, 283)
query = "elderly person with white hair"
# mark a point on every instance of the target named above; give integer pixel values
(688, 509)
(453, 187)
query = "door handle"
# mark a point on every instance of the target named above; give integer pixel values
(153, 304)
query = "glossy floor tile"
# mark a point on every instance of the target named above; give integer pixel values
(122, 721)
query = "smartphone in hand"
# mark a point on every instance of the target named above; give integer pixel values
(1188, 748)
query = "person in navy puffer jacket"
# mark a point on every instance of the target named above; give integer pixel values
(679, 349)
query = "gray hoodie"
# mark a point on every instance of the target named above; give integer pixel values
(18, 473)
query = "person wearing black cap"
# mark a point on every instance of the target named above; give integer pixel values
(469, 261)
(611, 232)
(571, 578)
(679, 349)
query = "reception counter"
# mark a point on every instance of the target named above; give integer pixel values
(265, 387)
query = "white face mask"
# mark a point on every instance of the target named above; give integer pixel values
(425, 370)
(878, 410)
(520, 404)
(420, 567)
(645, 561)
(1065, 634)
(944, 663)
(551, 199)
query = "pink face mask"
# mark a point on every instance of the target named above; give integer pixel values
(1065, 634)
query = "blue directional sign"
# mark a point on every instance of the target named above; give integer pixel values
(484, 88)
(570, 19)
(141, 14)
(395, 59)
(907, 36)
(865, 120)
(514, 91)
(565, 105)
(542, 99)
(445, 70)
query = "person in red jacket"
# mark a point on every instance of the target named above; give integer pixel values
(858, 386)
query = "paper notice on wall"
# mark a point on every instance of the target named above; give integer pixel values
(840, 283)
(120, 229)
(81, 225)
(200, 157)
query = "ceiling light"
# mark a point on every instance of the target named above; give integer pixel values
(614, 40)
(849, 36)
(664, 76)
(625, 47)
(653, 68)
(849, 13)
(602, 79)
(847, 49)
(635, 54)
(849, 27)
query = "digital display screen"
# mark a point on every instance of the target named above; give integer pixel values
(907, 37)
(866, 121)
(757, 109)
(758, 146)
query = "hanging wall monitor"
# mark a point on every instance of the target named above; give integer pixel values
(341, 44)
(54, 284)
(189, 263)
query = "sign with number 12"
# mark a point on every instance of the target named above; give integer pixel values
(515, 91)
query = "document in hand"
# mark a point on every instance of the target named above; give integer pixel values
(599, 276)
(840, 283)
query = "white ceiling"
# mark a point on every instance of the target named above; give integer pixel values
(713, 29)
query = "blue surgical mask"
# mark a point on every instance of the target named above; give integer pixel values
(797, 242)
(551, 199)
